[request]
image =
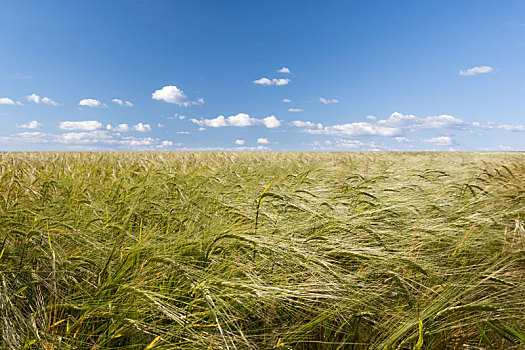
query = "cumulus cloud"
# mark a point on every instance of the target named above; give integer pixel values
(31, 125)
(413, 123)
(182, 132)
(67, 138)
(507, 127)
(306, 124)
(142, 127)
(263, 141)
(284, 70)
(119, 128)
(440, 141)
(271, 122)
(396, 125)
(160, 125)
(240, 142)
(402, 139)
(286, 100)
(122, 103)
(357, 144)
(239, 120)
(173, 94)
(489, 125)
(44, 100)
(177, 116)
(6, 101)
(95, 139)
(277, 82)
(89, 102)
(295, 110)
(476, 70)
(357, 129)
(349, 143)
(251, 149)
(87, 125)
(328, 101)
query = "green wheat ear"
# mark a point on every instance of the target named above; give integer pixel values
(419, 344)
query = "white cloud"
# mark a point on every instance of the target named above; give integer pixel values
(328, 101)
(45, 100)
(476, 70)
(84, 137)
(31, 125)
(182, 132)
(142, 127)
(508, 127)
(95, 136)
(413, 123)
(96, 140)
(251, 149)
(122, 103)
(307, 124)
(357, 129)
(239, 120)
(263, 141)
(240, 142)
(295, 110)
(277, 82)
(6, 101)
(200, 101)
(284, 70)
(173, 94)
(177, 116)
(370, 117)
(271, 122)
(118, 128)
(349, 143)
(396, 125)
(286, 100)
(489, 125)
(505, 148)
(89, 102)
(263, 81)
(88, 125)
(402, 139)
(160, 125)
(440, 141)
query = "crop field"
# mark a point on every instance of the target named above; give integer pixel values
(262, 250)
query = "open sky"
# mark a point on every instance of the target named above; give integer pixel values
(262, 75)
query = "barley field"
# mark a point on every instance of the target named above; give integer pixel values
(262, 250)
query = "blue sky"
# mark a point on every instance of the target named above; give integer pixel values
(262, 75)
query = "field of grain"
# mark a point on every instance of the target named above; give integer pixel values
(262, 250)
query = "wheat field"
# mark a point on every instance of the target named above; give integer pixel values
(262, 250)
